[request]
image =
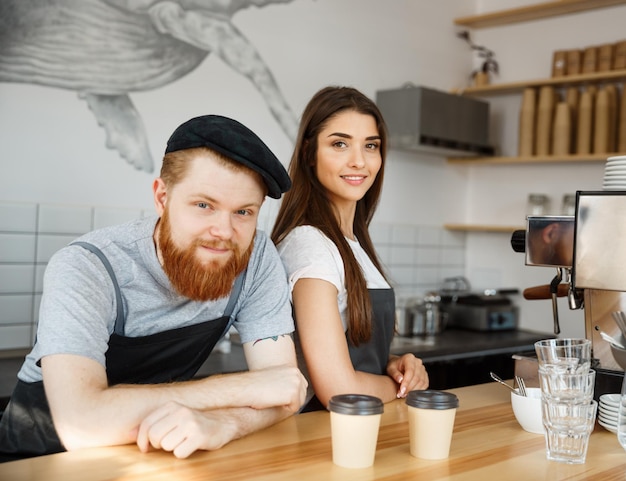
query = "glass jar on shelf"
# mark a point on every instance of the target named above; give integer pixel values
(538, 204)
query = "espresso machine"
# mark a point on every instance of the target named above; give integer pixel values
(586, 251)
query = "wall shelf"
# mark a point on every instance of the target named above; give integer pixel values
(565, 81)
(513, 87)
(506, 229)
(536, 159)
(523, 14)
(534, 12)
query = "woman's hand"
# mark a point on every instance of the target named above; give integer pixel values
(409, 372)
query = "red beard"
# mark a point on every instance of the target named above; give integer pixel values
(192, 278)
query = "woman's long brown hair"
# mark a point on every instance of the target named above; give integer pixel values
(307, 203)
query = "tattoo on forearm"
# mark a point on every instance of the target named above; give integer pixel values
(273, 338)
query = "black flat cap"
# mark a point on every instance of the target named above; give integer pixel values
(235, 141)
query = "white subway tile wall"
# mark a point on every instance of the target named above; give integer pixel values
(29, 235)
(18, 217)
(66, 219)
(417, 258)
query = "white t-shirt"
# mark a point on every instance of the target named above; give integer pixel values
(308, 254)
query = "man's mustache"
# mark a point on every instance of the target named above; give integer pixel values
(212, 244)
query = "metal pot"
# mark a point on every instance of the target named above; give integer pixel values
(422, 317)
(404, 317)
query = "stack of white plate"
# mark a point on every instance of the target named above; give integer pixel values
(615, 173)
(607, 411)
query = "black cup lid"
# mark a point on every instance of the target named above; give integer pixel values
(356, 404)
(431, 399)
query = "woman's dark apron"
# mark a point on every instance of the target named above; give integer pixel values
(372, 356)
(26, 427)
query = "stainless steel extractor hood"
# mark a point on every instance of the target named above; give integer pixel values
(424, 119)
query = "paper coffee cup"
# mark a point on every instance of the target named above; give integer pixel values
(354, 423)
(431, 422)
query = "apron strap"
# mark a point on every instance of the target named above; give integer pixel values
(234, 297)
(120, 319)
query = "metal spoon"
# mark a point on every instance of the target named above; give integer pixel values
(620, 320)
(611, 340)
(521, 386)
(497, 378)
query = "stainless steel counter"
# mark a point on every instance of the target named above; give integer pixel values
(461, 343)
(460, 357)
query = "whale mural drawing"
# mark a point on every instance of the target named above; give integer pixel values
(106, 49)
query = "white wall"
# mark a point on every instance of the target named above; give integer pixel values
(50, 138)
(53, 149)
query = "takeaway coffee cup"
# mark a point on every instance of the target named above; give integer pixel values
(431, 422)
(354, 423)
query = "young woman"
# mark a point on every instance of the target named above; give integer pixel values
(343, 305)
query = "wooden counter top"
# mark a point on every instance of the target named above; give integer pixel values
(487, 444)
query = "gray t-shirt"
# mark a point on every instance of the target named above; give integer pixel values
(78, 307)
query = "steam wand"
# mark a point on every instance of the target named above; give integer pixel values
(556, 289)
(554, 286)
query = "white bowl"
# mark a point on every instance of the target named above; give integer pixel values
(619, 354)
(527, 410)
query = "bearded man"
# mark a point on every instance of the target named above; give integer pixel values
(130, 312)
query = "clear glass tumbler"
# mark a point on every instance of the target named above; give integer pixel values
(568, 427)
(565, 387)
(566, 356)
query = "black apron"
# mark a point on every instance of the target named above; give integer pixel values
(26, 427)
(372, 356)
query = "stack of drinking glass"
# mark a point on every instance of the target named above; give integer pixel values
(568, 408)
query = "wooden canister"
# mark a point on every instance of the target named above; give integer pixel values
(584, 128)
(574, 62)
(619, 57)
(481, 79)
(601, 122)
(613, 117)
(572, 97)
(561, 129)
(559, 63)
(590, 60)
(621, 133)
(545, 114)
(528, 114)
(605, 57)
